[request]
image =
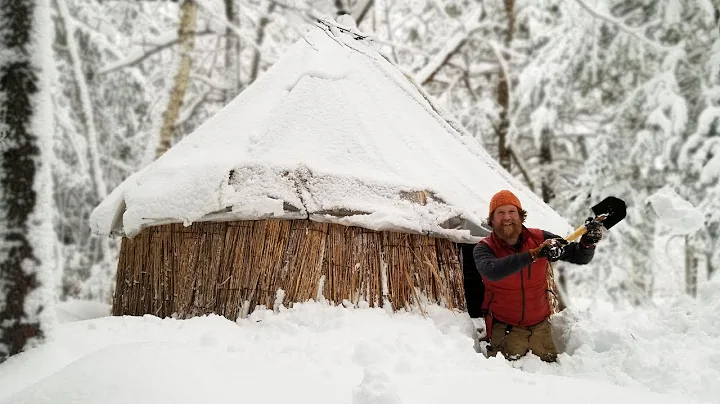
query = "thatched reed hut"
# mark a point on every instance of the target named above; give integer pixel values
(333, 176)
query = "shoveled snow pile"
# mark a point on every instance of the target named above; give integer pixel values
(316, 353)
(332, 132)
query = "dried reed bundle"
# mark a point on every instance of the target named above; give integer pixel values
(336, 265)
(398, 257)
(305, 260)
(268, 249)
(236, 264)
(428, 279)
(155, 266)
(365, 268)
(212, 267)
(138, 278)
(451, 271)
(120, 297)
(190, 242)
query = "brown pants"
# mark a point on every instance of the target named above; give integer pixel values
(515, 344)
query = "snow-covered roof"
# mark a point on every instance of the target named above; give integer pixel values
(332, 132)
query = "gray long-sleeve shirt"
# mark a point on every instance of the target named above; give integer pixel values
(495, 268)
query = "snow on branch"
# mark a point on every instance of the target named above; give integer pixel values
(452, 45)
(190, 109)
(310, 16)
(637, 33)
(234, 28)
(210, 82)
(139, 56)
(128, 169)
(104, 42)
(522, 166)
(77, 145)
(85, 100)
(497, 50)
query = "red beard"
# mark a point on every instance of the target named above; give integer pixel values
(510, 232)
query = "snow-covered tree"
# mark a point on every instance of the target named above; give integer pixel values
(651, 68)
(117, 64)
(26, 249)
(101, 123)
(697, 155)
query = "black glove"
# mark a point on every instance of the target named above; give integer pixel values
(552, 249)
(556, 249)
(593, 234)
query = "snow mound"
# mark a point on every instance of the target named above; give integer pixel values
(673, 347)
(76, 310)
(375, 388)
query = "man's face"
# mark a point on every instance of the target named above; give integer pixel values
(506, 222)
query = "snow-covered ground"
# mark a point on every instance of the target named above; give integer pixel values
(317, 353)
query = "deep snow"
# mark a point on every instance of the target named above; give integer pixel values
(316, 353)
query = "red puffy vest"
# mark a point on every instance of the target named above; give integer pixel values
(519, 299)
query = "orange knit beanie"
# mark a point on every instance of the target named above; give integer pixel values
(503, 197)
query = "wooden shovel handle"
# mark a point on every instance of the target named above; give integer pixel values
(582, 229)
(577, 233)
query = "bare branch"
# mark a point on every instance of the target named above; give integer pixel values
(522, 167)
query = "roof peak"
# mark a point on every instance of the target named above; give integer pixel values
(333, 132)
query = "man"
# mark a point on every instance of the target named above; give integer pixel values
(513, 261)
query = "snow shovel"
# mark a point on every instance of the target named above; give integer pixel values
(609, 212)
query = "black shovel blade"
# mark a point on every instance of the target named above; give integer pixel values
(615, 208)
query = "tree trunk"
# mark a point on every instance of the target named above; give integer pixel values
(546, 160)
(186, 36)
(259, 38)
(26, 123)
(710, 264)
(691, 268)
(361, 10)
(340, 7)
(503, 95)
(232, 52)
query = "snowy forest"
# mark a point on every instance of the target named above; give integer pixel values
(579, 99)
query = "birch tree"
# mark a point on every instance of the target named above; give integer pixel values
(186, 36)
(26, 255)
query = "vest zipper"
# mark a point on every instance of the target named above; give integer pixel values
(522, 289)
